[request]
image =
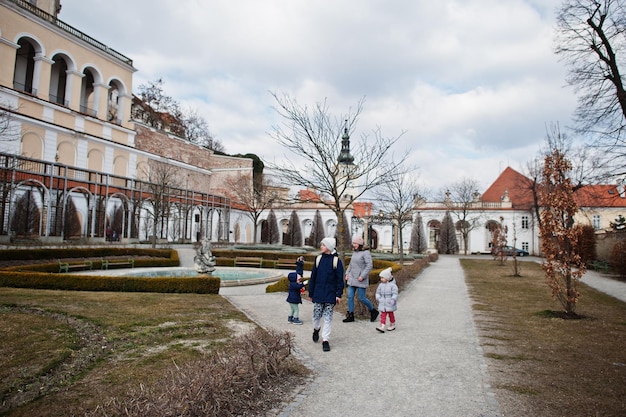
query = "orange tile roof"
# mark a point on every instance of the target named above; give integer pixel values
(518, 186)
(603, 195)
(362, 209)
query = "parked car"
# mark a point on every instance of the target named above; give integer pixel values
(510, 250)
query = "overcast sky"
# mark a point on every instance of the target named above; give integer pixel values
(474, 83)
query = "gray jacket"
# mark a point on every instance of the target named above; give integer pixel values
(387, 296)
(360, 266)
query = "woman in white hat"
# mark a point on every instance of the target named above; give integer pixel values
(358, 278)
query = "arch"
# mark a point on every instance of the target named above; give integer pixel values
(120, 166)
(58, 92)
(116, 92)
(24, 71)
(95, 160)
(143, 171)
(32, 145)
(88, 96)
(434, 228)
(66, 152)
(83, 212)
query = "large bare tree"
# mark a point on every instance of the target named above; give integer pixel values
(162, 178)
(314, 137)
(397, 199)
(256, 196)
(591, 41)
(461, 200)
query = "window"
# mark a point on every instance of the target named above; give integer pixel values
(596, 221)
(525, 222)
(525, 246)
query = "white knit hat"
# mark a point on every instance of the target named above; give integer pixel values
(386, 273)
(330, 243)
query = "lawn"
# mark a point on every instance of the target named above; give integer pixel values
(65, 352)
(541, 365)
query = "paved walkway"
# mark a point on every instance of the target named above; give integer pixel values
(432, 365)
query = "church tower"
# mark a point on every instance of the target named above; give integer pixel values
(346, 166)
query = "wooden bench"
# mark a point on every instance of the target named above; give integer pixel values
(247, 261)
(108, 263)
(67, 267)
(285, 263)
(600, 266)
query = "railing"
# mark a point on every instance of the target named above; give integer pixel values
(69, 29)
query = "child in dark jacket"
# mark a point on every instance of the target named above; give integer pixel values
(294, 297)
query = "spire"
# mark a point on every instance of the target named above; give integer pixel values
(344, 156)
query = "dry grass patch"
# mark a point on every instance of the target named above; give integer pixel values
(539, 363)
(68, 352)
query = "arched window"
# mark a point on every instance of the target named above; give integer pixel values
(87, 100)
(113, 103)
(58, 80)
(24, 72)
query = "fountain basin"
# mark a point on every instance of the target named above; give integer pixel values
(229, 276)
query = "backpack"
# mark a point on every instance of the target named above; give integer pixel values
(319, 257)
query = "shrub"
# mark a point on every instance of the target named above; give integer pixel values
(247, 377)
(618, 257)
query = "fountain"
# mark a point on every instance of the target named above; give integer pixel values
(204, 264)
(204, 260)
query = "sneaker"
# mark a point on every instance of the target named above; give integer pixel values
(392, 327)
(316, 335)
(290, 319)
(296, 320)
(381, 328)
(325, 346)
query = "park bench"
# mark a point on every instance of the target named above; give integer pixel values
(67, 266)
(285, 263)
(248, 261)
(600, 266)
(121, 263)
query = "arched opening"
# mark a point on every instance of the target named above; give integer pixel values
(87, 93)
(24, 71)
(113, 103)
(58, 81)
(434, 227)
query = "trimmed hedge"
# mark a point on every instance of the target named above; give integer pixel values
(46, 276)
(49, 281)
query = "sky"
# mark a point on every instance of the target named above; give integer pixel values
(470, 86)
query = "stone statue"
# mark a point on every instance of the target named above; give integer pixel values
(204, 260)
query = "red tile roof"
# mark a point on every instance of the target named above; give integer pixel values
(518, 186)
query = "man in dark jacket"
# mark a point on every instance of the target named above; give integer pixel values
(325, 289)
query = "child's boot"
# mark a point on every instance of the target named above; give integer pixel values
(296, 320)
(391, 327)
(290, 319)
(381, 328)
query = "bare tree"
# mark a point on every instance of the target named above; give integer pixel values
(499, 240)
(559, 236)
(397, 199)
(256, 197)
(590, 39)
(197, 131)
(324, 165)
(162, 178)
(460, 200)
(8, 131)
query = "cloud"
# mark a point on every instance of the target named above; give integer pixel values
(472, 83)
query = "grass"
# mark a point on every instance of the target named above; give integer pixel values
(540, 364)
(70, 351)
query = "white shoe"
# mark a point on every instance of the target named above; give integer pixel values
(391, 327)
(381, 328)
